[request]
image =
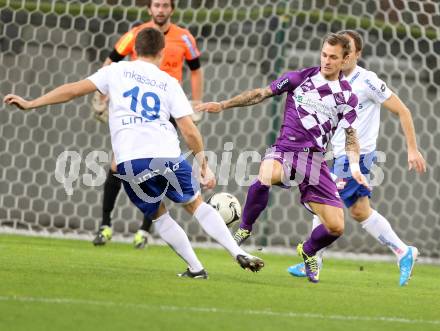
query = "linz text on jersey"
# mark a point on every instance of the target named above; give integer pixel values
(127, 120)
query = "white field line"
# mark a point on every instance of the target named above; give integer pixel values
(214, 310)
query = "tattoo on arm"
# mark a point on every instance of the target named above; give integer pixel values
(248, 98)
(352, 145)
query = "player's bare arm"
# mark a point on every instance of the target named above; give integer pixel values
(197, 93)
(352, 148)
(353, 153)
(194, 141)
(247, 98)
(352, 145)
(415, 158)
(60, 94)
(100, 101)
(197, 86)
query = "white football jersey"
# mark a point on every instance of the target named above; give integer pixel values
(142, 99)
(371, 92)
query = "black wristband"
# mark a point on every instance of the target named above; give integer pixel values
(115, 56)
(193, 64)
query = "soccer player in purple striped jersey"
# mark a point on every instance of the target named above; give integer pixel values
(318, 101)
(372, 92)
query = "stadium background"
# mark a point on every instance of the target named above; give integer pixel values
(245, 44)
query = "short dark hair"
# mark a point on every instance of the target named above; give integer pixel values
(337, 39)
(358, 42)
(150, 1)
(149, 42)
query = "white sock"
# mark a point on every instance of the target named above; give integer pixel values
(213, 224)
(315, 223)
(176, 238)
(380, 228)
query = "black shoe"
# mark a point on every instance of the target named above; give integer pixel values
(250, 262)
(202, 274)
(103, 235)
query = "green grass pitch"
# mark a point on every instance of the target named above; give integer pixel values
(50, 284)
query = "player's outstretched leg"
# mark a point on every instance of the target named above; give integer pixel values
(380, 228)
(322, 236)
(319, 238)
(176, 238)
(406, 265)
(271, 172)
(212, 223)
(299, 270)
(256, 201)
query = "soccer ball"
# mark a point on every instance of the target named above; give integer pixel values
(228, 207)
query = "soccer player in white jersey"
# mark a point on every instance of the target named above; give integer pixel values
(372, 92)
(146, 146)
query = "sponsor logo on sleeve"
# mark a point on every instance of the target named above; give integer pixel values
(354, 78)
(281, 84)
(370, 85)
(379, 91)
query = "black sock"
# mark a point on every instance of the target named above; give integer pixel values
(146, 223)
(112, 186)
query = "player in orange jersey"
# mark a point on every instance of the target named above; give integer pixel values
(180, 47)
